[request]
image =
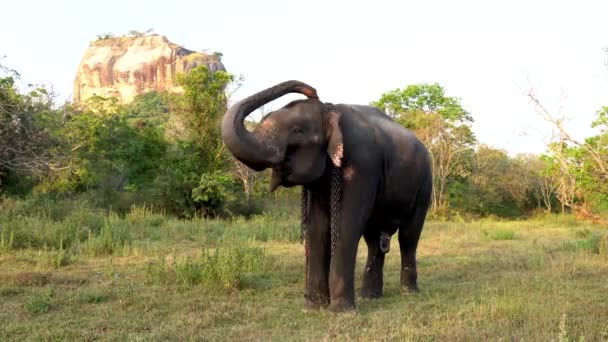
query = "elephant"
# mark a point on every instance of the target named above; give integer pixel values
(362, 175)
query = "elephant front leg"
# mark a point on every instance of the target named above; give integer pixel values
(317, 243)
(355, 209)
(342, 275)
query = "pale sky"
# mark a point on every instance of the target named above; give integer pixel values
(353, 51)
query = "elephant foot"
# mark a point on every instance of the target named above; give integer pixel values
(409, 288)
(370, 292)
(314, 303)
(372, 286)
(408, 279)
(372, 283)
(338, 306)
(313, 306)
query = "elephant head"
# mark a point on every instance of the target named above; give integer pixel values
(295, 141)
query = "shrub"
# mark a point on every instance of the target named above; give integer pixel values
(594, 244)
(499, 234)
(114, 236)
(59, 258)
(224, 268)
(39, 303)
(93, 297)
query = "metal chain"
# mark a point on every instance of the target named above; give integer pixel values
(334, 210)
(304, 212)
(304, 222)
(335, 196)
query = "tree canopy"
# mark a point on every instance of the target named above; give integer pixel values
(165, 150)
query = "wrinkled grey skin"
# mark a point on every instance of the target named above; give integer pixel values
(381, 171)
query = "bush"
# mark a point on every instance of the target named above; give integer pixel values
(223, 268)
(499, 234)
(93, 297)
(39, 303)
(211, 193)
(59, 258)
(115, 235)
(594, 244)
(45, 229)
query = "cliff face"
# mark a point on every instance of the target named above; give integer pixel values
(125, 67)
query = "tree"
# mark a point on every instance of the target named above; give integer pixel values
(543, 181)
(580, 168)
(503, 186)
(106, 152)
(200, 111)
(26, 125)
(197, 152)
(442, 124)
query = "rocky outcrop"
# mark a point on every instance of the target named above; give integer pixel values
(125, 67)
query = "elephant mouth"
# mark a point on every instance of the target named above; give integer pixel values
(279, 176)
(282, 173)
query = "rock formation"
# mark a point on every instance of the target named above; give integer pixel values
(125, 67)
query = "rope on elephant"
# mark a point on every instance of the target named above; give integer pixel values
(336, 194)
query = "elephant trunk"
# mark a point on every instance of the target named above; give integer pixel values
(246, 146)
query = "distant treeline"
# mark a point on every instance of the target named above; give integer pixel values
(165, 151)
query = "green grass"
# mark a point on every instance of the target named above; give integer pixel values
(500, 234)
(90, 276)
(39, 303)
(93, 297)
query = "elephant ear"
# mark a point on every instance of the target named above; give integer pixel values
(335, 147)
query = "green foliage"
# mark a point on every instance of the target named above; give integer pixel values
(151, 108)
(427, 98)
(153, 151)
(500, 185)
(200, 110)
(40, 303)
(114, 236)
(499, 234)
(59, 258)
(222, 268)
(579, 170)
(472, 283)
(212, 192)
(589, 243)
(88, 232)
(107, 157)
(27, 124)
(164, 151)
(93, 297)
(190, 181)
(83, 229)
(104, 36)
(601, 120)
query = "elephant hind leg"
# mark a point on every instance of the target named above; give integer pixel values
(409, 234)
(373, 273)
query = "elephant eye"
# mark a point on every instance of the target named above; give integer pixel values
(298, 130)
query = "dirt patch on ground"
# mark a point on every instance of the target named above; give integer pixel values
(40, 279)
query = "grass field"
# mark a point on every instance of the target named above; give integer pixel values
(91, 276)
